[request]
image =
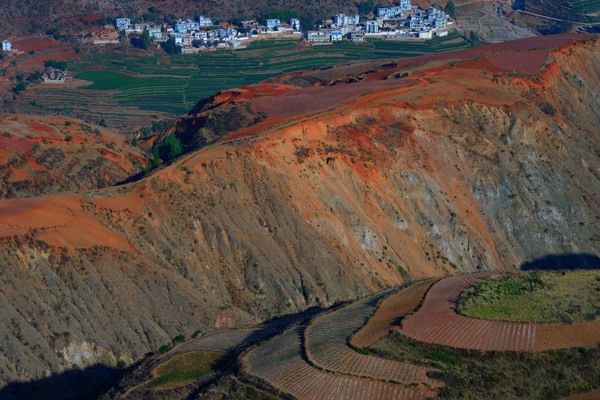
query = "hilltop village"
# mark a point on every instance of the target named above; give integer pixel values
(402, 21)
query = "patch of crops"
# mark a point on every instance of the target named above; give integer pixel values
(174, 84)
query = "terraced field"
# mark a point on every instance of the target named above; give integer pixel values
(327, 347)
(279, 362)
(314, 360)
(233, 339)
(437, 322)
(161, 87)
(391, 309)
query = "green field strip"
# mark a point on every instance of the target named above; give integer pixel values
(151, 84)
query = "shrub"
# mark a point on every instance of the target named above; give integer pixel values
(178, 339)
(164, 348)
(56, 64)
(548, 108)
(21, 86)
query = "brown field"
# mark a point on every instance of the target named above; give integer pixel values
(279, 362)
(437, 322)
(327, 347)
(392, 308)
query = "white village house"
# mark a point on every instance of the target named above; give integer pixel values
(272, 24)
(6, 45)
(122, 24)
(204, 21)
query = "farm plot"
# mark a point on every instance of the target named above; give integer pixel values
(279, 362)
(232, 339)
(392, 308)
(327, 347)
(157, 93)
(91, 106)
(137, 90)
(437, 322)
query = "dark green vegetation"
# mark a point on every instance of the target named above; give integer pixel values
(185, 368)
(192, 133)
(500, 375)
(56, 64)
(550, 296)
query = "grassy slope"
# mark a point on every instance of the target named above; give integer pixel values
(563, 297)
(185, 368)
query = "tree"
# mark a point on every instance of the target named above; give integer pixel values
(62, 65)
(236, 21)
(474, 39)
(170, 148)
(34, 77)
(21, 86)
(54, 33)
(142, 42)
(146, 39)
(450, 10)
(366, 7)
(170, 47)
(283, 15)
(307, 21)
(149, 17)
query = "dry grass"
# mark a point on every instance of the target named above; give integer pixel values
(544, 297)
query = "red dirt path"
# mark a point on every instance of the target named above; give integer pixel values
(437, 322)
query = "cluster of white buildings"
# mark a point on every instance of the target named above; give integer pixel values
(6, 45)
(405, 20)
(400, 21)
(196, 35)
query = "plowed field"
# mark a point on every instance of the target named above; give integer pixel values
(279, 362)
(392, 308)
(327, 347)
(437, 322)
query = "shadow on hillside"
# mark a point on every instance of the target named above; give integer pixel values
(87, 383)
(97, 380)
(518, 5)
(563, 261)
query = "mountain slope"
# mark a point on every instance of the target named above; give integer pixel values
(45, 155)
(472, 161)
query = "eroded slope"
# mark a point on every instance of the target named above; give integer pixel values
(458, 167)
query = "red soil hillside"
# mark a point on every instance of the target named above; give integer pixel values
(459, 166)
(43, 155)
